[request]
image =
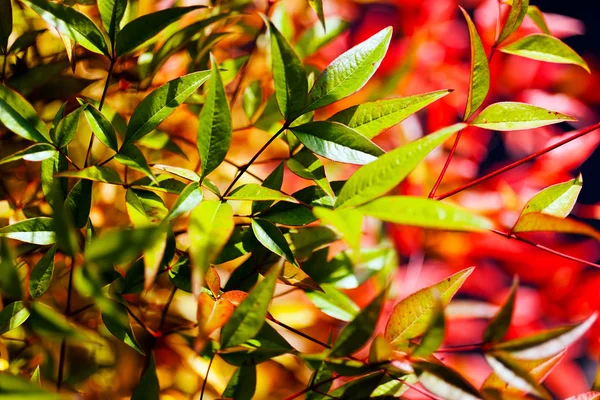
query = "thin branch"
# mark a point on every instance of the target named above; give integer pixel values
(163, 316)
(304, 335)
(140, 323)
(446, 165)
(239, 167)
(102, 99)
(461, 348)
(206, 377)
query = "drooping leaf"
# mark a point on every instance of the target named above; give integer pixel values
(426, 213)
(20, 117)
(306, 165)
(94, 173)
(112, 12)
(498, 326)
(144, 208)
(317, 5)
(315, 37)
(348, 223)
(479, 81)
(148, 388)
(255, 192)
(272, 238)
(333, 302)
(372, 118)
(540, 222)
(542, 47)
(515, 375)
(512, 116)
(101, 126)
(518, 10)
(537, 17)
(556, 200)
(6, 25)
(411, 317)
(41, 274)
(130, 156)
(337, 142)
(547, 343)
(159, 104)
(360, 329)
(350, 71)
(38, 230)
(211, 224)
(189, 198)
(242, 384)
(118, 324)
(444, 382)
(71, 23)
(36, 152)
(66, 129)
(381, 176)
(146, 27)
(12, 316)
(291, 86)
(434, 335)
(249, 317)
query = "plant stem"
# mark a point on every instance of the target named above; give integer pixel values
(579, 134)
(297, 332)
(163, 316)
(102, 99)
(63, 345)
(240, 167)
(446, 165)
(140, 323)
(206, 377)
(311, 387)
(461, 348)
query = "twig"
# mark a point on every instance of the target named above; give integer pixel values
(206, 377)
(163, 316)
(102, 99)
(446, 165)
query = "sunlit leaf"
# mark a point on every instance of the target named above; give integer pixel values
(537, 17)
(512, 116)
(189, 198)
(333, 302)
(540, 222)
(111, 13)
(118, 324)
(348, 223)
(518, 10)
(144, 208)
(273, 181)
(41, 274)
(130, 156)
(148, 387)
(317, 5)
(306, 165)
(178, 171)
(36, 152)
(12, 316)
(67, 128)
(515, 375)
(315, 37)
(255, 192)
(434, 335)
(500, 323)
(242, 384)
(444, 382)
(38, 230)
(557, 200)
(20, 117)
(272, 238)
(542, 47)
(101, 127)
(94, 173)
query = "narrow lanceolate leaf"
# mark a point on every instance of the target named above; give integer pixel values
(271, 237)
(306, 165)
(499, 324)
(515, 375)
(317, 5)
(36, 152)
(255, 192)
(189, 198)
(370, 119)
(120, 245)
(513, 116)
(214, 130)
(13, 316)
(547, 48)
(144, 208)
(178, 171)
(153, 256)
(348, 223)
(211, 224)
(94, 173)
(434, 335)
(242, 384)
(540, 222)
(426, 213)
(547, 343)
(6, 24)
(10, 282)
(66, 129)
(537, 17)
(39, 230)
(132, 157)
(316, 37)
(71, 24)
(479, 82)
(518, 10)
(557, 200)
(19, 116)
(333, 302)
(146, 27)
(117, 323)
(291, 86)
(101, 127)
(337, 142)
(350, 71)
(252, 99)
(112, 12)
(249, 317)
(41, 274)
(411, 317)
(359, 331)
(273, 182)
(159, 104)
(444, 382)
(148, 388)
(384, 174)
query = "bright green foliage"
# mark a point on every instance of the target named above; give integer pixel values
(518, 10)
(334, 303)
(254, 192)
(13, 316)
(36, 152)
(272, 238)
(112, 13)
(20, 117)
(188, 199)
(537, 17)
(557, 200)
(117, 323)
(512, 373)
(41, 274)
(511, 116)
(434, 335)
(101, 127)
(39, 230)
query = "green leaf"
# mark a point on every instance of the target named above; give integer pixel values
(291, 86)
(426, 213)
(13, 316)
(112, 12)
(189, 198)
(36, 152)
(498, 326)
(337, 142)
(255, 192)
(6, 25)
(556, 200)
(350, 71)
(159, 104)
(146, 27)
(348, 223)
(252, 99)
(249, 317)
(479, 82)
(51, 324)
(518, 10)
(79, 202)
(274, 182)
(434, 335)
(50, 184)
(25, 41)
(16, 388)
(214, 129)
(356, 334)
(10, 283)
(129, 155)
(242, 384)
(537, 17)
(101, 127)
(20, 117)
(515, 375)
(540, 222)
(306, 165)
(71, 23)
(542, 47)
(41, 274)
(148, 388)
(372, 118)
(241, 242)
(512, 116)
(315, 37)
(178, 171)
(272, 238)
(144, 208)
(411, 317)
(117, 323)
(94, 173)
(385, 173)
(35, 377)
(39, 230)
(211, 224)
(321, 374)
(67, 128)
(333, 302)
(444, 382)
(546, 343)
(265, 345)
(317, 5)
